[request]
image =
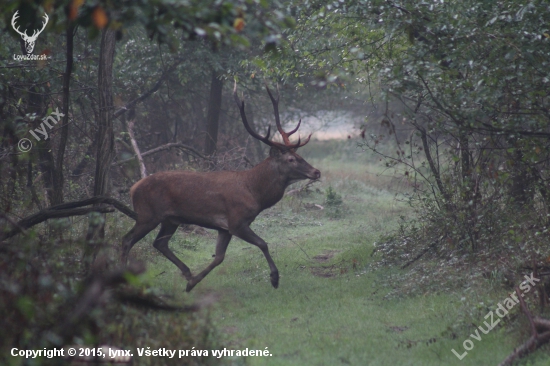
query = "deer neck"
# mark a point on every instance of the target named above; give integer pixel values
(266, 183)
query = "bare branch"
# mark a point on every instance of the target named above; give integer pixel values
(162, 148)
(148, 93)
(98, 199)
(47, 214)
(135, 146)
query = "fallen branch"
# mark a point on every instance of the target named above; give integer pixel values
(313, 206)
(47, 214)
(537, 339)
(152, 302)
(541, 323)
(529, 346)
(99, 283)
(92, 295)
(67, 210)
(98, 199)
(14, 223)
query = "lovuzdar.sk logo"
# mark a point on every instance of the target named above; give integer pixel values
(29, 40)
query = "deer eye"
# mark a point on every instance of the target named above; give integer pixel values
(291, 159)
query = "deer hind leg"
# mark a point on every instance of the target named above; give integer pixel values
(167, 229)
(246, 234)
(221, 246)
(133, 236)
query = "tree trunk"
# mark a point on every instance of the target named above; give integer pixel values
(105, 134)
(434, 170)
(522, 187)
(465, 166)
(105, 137)
(44, 147)
(30, 186)
(213, 118)
(58, 180)
(79, 170)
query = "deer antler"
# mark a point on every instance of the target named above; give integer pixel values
(240, 104)
(265, 139)
(285, 135)
(13, 19)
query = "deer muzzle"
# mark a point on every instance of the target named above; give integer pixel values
(315, 174)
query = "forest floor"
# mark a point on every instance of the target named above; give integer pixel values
(332, 307)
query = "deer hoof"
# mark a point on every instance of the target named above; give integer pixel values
(275, 279)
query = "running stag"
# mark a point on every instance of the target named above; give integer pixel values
(226, 201)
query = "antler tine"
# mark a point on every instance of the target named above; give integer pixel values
(275, 103)
(298, 144)
(284, 134)
(240, 104)
(306, 141)
(296, 129)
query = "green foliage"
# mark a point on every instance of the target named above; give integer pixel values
(333, 202)
(469, 79)
(131, 328)
(212, 20)
(42, 293)
(332, 198)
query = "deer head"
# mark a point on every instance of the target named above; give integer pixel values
(29, 40)
(290, 164)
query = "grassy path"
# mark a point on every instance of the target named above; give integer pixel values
(330, 308)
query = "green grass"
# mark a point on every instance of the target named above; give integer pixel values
(330, 307)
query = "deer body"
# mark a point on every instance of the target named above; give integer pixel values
(225, 201)
(214, 200)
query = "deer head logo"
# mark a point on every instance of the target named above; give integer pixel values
(29, 40)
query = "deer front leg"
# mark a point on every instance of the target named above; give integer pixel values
(167, 229)
(246, 234)
(221, 246)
